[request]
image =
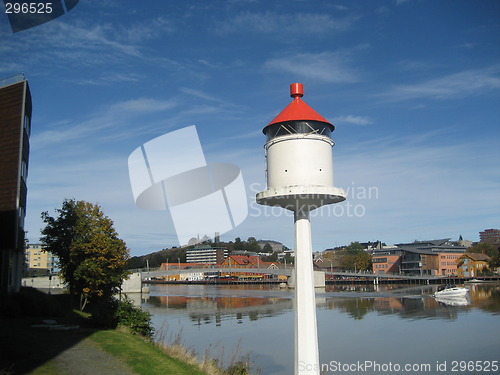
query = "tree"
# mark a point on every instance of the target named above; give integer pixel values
(354, 248)
(92, 258)
(267, 248)
(354, 257)
(483, 248)
(252, 245)
(238, 244)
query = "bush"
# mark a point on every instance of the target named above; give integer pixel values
(103, 313)
(134, 318)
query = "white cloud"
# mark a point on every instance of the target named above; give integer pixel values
(100, 126)
(457, 85)
(351, 119)
(291, 24)
(324, 66)
(141, 105)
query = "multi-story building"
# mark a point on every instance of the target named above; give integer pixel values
(38, 259)
(15, 125)
(386, 260)
(491, 236)
(434, 257)
(206, 255)
(470, 264)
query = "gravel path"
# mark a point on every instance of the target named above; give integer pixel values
(87, 358)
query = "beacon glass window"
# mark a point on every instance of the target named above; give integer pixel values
(298, 127)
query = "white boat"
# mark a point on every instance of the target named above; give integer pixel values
(450, 291)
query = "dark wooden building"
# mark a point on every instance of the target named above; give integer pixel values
(15, 124)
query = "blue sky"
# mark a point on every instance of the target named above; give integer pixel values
(413, 88)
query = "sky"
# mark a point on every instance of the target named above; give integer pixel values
(412, 87)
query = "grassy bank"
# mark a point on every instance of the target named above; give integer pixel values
(38, 351)
(140, 355)
(30, 346)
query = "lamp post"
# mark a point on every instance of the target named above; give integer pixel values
(300, 179)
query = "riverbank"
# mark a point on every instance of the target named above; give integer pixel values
(41, 335)
(29, 346)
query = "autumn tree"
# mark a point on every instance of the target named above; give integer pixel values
(354, 257)
(92, 258)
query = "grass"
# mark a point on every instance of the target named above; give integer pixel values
(36, 351)
(141, 355)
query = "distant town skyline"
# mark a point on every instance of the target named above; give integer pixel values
(412, 88)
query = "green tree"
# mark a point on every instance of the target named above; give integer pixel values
(483, 248)
(238, 244)
(92, 258)
(354, 248)
(267, 248)
(270, 258)
(354, 257)
(252, 245)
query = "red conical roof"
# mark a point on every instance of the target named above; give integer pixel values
(298, 109)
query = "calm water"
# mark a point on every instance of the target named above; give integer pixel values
(382, 329)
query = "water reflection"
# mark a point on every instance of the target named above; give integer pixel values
(213, 304)
(386, 323)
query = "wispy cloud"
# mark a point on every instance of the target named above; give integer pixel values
(101, 124)
(106, 79)
(351, 119)
(324, 66)
(201, 94)
(270, 22)
(86, 44)
(141, 105)
(457, 85)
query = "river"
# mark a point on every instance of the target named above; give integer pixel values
(362, 329)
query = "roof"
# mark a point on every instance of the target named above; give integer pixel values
(424, 243)
(477, 256)
(298, 109)
(252, 260)
(325, 264)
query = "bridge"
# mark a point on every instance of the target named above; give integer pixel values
(150, 273)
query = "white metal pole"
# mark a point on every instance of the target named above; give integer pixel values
(306, 335)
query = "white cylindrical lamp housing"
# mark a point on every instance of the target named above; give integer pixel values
(299, 160)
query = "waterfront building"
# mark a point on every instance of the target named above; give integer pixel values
(237, 263)
(371, 246)
(206, 254)
(430, 257)
(327, 265)
(15, 126)
(38, 259)
(248, 261)
(386, 261)
(470, 264)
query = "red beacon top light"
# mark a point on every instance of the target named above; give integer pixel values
(297, 110)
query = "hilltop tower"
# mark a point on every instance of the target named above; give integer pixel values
(300, 179)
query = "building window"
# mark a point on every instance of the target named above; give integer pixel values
(24, 169)
(27, 124)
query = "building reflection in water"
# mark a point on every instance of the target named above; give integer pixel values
(215, 305)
